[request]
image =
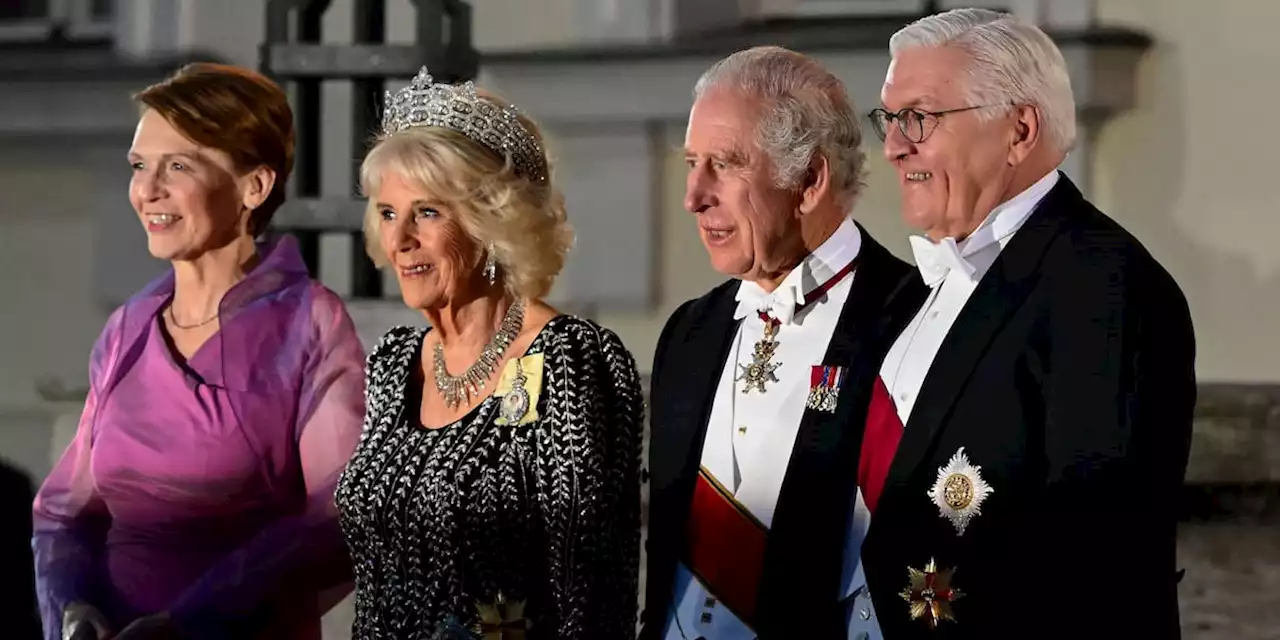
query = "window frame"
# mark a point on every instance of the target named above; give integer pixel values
(74, 17)
(851, 8)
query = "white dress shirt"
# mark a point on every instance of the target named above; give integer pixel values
(953, 270)
(908, 361)
(750, 435)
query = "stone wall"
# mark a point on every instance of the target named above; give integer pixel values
(1237, 438)
(1229, 541)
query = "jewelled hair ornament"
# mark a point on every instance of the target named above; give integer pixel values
(424, 103)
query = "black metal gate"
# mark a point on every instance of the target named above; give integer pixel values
(295, 53)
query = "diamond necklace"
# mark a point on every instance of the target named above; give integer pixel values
(456, 389)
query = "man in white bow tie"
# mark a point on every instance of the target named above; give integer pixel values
(1043, 392)
(760, 388)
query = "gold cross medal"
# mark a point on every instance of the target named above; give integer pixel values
(762, 367)
(930, 594)
(960, 491)
(502, 620)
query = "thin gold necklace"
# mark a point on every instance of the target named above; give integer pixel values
(174, 321)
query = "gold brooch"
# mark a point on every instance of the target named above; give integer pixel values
(501, 619)
(960, 491)
(930, 594)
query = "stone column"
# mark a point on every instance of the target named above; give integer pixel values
(611, 176)
(647, 21)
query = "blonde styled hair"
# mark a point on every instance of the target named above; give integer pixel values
(522, 222)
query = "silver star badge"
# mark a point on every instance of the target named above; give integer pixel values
(960, 491)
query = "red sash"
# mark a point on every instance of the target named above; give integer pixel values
(879, 443)
(725, 547)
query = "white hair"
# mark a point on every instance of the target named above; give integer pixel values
(1011, 62)
(806, 113)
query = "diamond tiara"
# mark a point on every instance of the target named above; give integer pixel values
(424, 103)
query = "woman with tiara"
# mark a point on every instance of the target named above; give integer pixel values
(495, 492)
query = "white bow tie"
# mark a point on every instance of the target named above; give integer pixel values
(781, 304)
(936, 260)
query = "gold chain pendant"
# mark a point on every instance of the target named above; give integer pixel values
(502, 619)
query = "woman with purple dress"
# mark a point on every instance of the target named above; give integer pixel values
(196, 499)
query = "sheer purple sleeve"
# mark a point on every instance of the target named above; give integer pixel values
(302, 558)
(69, 518)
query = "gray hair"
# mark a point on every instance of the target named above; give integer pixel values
(1011, 62)
(806, 113)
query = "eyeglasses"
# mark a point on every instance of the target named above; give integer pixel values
(915, 125)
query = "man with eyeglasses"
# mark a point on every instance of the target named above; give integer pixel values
(1040, 402)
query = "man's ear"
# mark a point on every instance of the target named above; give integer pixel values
(816, 184)
(255, 186)
(1026, 133)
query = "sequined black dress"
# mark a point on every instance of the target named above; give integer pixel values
(441, 523)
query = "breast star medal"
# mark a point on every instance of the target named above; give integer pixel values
(501, 620)
(930, 594)
(515, 404)
(960, 491)
(762, 367)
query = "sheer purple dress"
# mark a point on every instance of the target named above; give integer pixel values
(205, 488)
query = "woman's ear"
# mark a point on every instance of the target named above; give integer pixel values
(256, 186)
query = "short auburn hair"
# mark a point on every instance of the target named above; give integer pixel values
(237, 111)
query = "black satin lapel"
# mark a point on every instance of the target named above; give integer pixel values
(806, 537)
(820, 431)
(691, 386)
(1001, 292)
(691, 371)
